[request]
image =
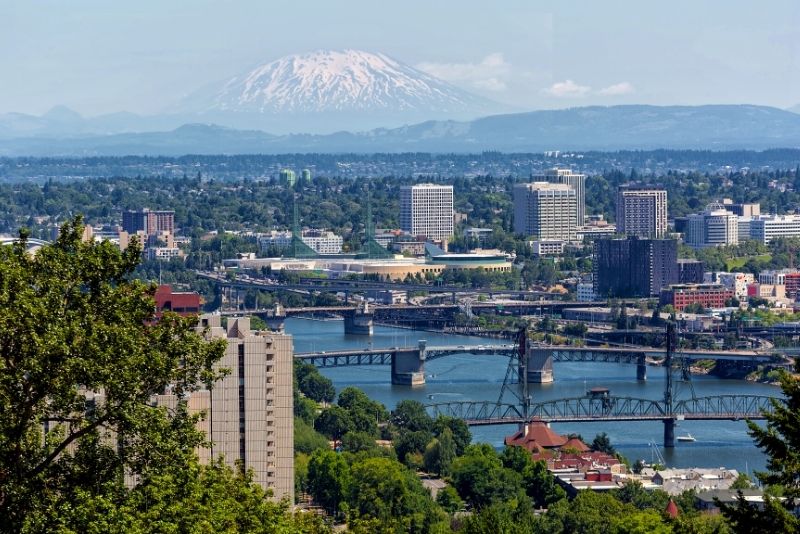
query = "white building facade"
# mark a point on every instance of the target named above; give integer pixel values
(715, 227)
(427, 210)
(322, 241)
(574, 180)
(547, 211)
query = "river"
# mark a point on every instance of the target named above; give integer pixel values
(466, 377)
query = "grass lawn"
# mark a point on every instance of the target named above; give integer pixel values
(737, 263)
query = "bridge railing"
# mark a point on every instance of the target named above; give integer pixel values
(731, 406)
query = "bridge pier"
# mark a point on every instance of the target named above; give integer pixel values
(641, 367)
(408, 367)
(276, 318)
(359, 321)
(540, 365)
(669, 433)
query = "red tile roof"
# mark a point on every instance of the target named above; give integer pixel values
(538, 434)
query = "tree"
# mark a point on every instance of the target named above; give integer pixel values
(407, 443)
(440, 453)
(411, 415)
(334, 422)
(742, 482)
(458, 428)
(541, 485)
(355, 441)
(602, 443)
(383, 489)
(480, 478)
(83, 357)
(328, 479)
(780, 440)
(317, 387)
(448, 499)
(83, 354)
(306, 439)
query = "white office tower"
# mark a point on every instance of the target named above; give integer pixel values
(427, 210)
(545, 210)
(642, 211)
(768, 227)
(715, 227)
(251, 409)
(576, 181)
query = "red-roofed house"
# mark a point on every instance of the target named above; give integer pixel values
(536, 436)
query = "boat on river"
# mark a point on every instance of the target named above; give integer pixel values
(687, 438)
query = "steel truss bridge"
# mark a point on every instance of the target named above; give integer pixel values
(629, 355)
(608, 408)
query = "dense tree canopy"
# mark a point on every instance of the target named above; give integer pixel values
(81, 358)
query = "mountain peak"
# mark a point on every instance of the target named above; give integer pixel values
(341, 81)
(62, 114)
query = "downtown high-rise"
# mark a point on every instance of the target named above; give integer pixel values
(546, 211)
(427, 210)
(575, 180)
(642, 211)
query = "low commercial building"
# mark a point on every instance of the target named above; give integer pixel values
(771, 292)
(163, 253)
(768, 227)
(676, 481)
(547, 247)
(479, 235)
(585, 291)
(738, 282)
(707, 295)
(322, 241)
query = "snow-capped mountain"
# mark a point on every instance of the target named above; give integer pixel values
(350, 85)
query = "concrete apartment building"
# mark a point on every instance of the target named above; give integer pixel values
(249, 413)
(575, 180)
(545, 210)
(252, 417)
(427, 210)
(642, 211)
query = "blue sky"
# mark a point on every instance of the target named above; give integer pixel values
(100, 56)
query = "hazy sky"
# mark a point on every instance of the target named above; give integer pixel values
(142, 55)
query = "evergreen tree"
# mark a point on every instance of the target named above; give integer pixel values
(780, 440)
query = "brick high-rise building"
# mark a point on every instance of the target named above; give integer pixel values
(642, 211)
(634, 267)
(427, 210)
(151, 222)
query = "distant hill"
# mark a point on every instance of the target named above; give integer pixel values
(710, 127)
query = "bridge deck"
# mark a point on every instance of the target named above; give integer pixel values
(560, 353)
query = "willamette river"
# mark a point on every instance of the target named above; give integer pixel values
(466, 377)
